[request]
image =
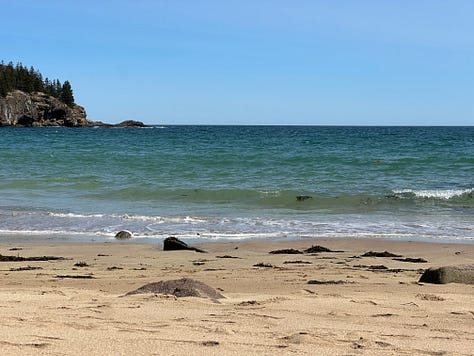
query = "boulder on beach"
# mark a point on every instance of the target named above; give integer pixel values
(173, 244)
(449, 274)
(184, 287)
(123, 235)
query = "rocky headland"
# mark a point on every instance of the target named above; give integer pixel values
(20, 109)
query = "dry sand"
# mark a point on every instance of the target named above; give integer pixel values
(266, 310)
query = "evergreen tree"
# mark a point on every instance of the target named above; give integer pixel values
(29, 80)
(48, 87)
(3, 85)
(66, 94)
(57, 89)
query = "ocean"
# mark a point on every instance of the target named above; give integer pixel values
(237, 182)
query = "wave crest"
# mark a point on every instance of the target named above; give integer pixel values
(444, 194)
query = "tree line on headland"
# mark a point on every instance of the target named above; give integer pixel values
(30, 80)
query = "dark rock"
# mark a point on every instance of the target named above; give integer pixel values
(449, 274)
(303, 197)
(380, 254)
(130, 123)
(123, 124)
(20, 109)
(173, 244)
(183, 287)
(39, 109)
(123, 235)
(287, 251)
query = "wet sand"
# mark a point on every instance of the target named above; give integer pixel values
(333, 303)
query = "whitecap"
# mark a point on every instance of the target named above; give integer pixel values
(444, 194)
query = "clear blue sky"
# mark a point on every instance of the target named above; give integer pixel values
(253, 61)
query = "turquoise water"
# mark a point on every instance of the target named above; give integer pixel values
(214, 182)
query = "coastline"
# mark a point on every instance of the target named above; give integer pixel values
(265, 310)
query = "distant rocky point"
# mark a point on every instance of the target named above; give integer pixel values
(126, 123)
(20, 109)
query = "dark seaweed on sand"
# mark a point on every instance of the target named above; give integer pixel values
(81, 264)
(317, 248)
(34, 258)
(27, 268)
(315, 281)
(261, 264)
(412, 260)
(380, 254)
(288, 251)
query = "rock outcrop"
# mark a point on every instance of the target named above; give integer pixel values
(173, 244)
(449, 274)
(38, 110)
(123, 235)
(123, 124)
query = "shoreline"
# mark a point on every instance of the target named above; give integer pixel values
(23, 238)
(270, 306)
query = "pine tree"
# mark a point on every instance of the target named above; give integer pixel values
(3, 84)
(57, 88)
(66, 94)
(29, 80)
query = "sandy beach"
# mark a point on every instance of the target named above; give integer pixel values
(326, 303)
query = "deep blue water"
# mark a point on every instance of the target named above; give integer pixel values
(238, 182)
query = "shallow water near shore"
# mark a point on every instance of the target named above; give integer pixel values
(238, 182)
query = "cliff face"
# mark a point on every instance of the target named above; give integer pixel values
(38, 109)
